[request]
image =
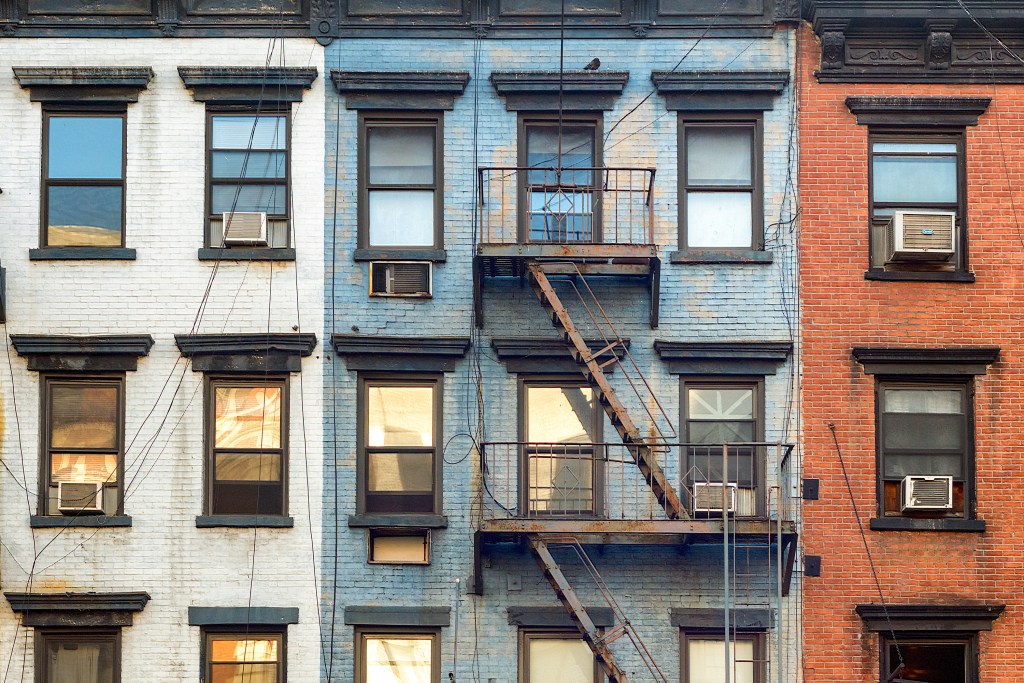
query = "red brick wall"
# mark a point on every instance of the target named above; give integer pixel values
(840, 310)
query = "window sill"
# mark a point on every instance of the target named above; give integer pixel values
(243, 521)
(724, 256)
(81, 254)
(917, 276)
(84, 521)
(404, 521)
(917, 524)
(246, 254)
(399, 254)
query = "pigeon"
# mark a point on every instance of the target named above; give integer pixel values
(594, 64)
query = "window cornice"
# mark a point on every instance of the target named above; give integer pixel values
(925, 361)
(247, 84)
(548, 91)
(403, 90)
(918, 111)
(720, 91)
(101, 353)
(86, 84)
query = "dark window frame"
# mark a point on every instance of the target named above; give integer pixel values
(912, 135)
(528, 635)
(371, 379)
(240, 632)
(119, 381)
(968, 639)
(757, 637)
(214, 111)
(81, 111)
(595, 120)
(524, 383)
(211, 382)
(754, 122)
(966, 385)
(411, 632)
(399, 119)
(43, 636)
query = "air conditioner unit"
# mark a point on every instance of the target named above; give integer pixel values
(400, 278)
(245, 227)
(927, 493)
(76, 497)
(921, 236)
(708, 497)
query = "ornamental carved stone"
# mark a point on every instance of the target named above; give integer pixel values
(833, 47)
(940, 49)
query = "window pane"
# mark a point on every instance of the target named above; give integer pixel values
(721, 432)
(79, 662)
(248, 466)
(559, 414)
(914, 179)
(398, 660)
(706, 659)
(85, 147)
(400, 472)
(270, 199)
(248, 165)
(924, 432)
(932, 662)
(720, 404)
(925, 465)
(398, 549)
(401, 218)
(244, 649)
(719, 219)
(83, 416)
(401, 155)
(719, 156)
(916, 147)
(400, 416)
(559, 660)
(577, 152)
(561, 482)
(83, 468)
(243, 673)
(941, 401)
(705, 465)
(247, 417)
(249, 132)
(83, 216)
(561, 216)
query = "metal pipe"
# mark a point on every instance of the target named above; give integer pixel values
(778, 565)
(725, 553)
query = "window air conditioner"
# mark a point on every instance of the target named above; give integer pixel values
(245, 227)
(921, 236)
(708, 497)
(76, 497)
(927, 493)
(400, 278)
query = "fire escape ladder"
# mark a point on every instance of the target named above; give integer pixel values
(643, 451)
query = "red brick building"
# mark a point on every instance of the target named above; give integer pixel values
(912, 268)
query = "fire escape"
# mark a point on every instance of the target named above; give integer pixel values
(548, 226)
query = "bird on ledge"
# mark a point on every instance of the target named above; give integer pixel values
(594, 64)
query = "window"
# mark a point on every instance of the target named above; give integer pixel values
(257, 657)
(84, 171)
(722, 196)
(560, 198)
(398, 546)
(561, 424)
(924, 430)
(704, 658)
(936, 660)
(82, 656)
(248, 172)
(916, 172)
(555, 657)
(400, 424)
(247, 437)
(397, 656)
(716, 414)
(83, 420)
(401, 198)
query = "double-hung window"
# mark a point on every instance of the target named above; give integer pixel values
(248, 173)
(704, 658)
(242, 656)
(79, 655)
(397, 656)
(547, 656)
(83, 178)
(721, 184)
(935, 660)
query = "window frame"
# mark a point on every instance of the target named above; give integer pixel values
(755, 123)
(758, 638)
(257, 631)
(594, 120)
(212, 382)
(44, 636)
(80, 111)
(597, 428)
(528, 635)
(400, 119)
(372, 379)
(362, 633)
(916, 135)
(118, 381)
(966, 386)
(241, 111)
(968, 639)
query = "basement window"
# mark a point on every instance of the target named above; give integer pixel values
(399, 546)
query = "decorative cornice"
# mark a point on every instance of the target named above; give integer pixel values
(400, 354)
(556, 617)
(387, 615)
(84, 83)
(918, 111)
(77, 609)
(247, 84)
(698, 618)
(724, 358)
(101, 353)
(242, 616)
(539, 90)
(720, 90)
(417, 90)
(246, 353)
(924, 361)
(929, 618)
(543, 355)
